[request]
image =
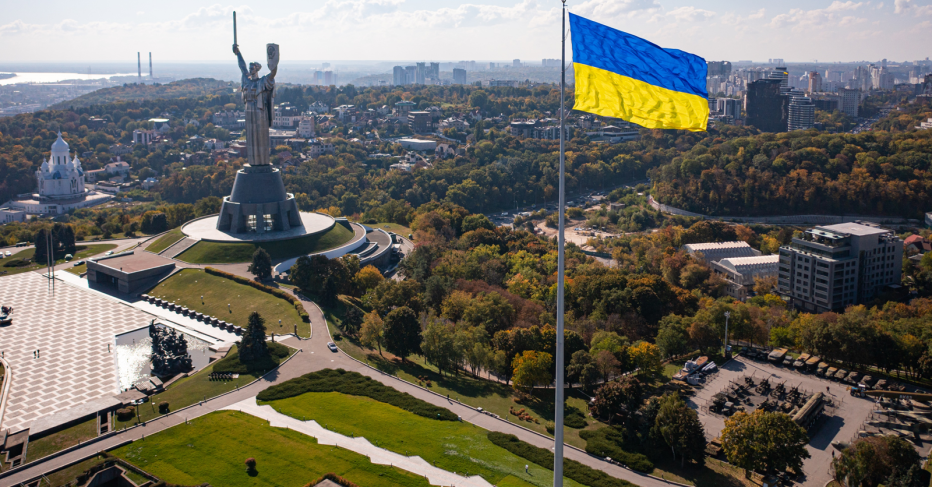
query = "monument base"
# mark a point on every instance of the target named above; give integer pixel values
(258, 203)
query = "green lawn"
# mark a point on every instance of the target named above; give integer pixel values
(490, 395)
(83, 252)
(213, 448)
(187, 287)
(60, 440)
(393, 227)
(165, 241)
(68, 474)
(451, 445)
(186, 392)
(77, 270)
(230, 253)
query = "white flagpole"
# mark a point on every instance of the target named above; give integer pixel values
(558, 399)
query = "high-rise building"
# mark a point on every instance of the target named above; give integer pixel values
(434, 71)
(801, 114)
(516, 63)
(550, 63)
(783, 75)
(766, 106)
(398, 76)
(850, 99)
(329, 79)
(815, 82)
(730, 107)
(719, 68)
(459, 76)
(420, 73)
(831, 267)
(410, 75)
(778, 62)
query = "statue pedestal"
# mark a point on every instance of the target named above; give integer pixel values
(258, 203)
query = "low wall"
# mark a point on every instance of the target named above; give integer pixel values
(786, 219)
(355, 243)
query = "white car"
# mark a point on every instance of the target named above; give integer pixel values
(332, 346)
(109, 252)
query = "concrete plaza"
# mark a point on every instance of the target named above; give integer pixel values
(841, 422)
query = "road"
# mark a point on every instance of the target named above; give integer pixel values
(506, 217)
(867, 123)
(314, 355)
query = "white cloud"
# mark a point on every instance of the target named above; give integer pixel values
(832, 15)
(907, 7)
(691, 14)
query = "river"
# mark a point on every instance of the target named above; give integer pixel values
(56, 77)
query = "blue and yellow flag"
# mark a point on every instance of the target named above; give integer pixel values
(623, 76)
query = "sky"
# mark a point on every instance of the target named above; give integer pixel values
(452, 30)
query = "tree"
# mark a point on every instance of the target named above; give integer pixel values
(154, 222)
(764, 442)
(582, 369)
(531, 368)
(402, 332)
(261, 266)
(367, 278)
(678, 426)
(606, 364)
(352, 319)
(673, 336)
(763, 285)
(646, 356)
(437, 344)
(252, 346)
(372, 332)
(872, 461)
(618, 398)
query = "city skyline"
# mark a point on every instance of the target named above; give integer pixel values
(795, 31)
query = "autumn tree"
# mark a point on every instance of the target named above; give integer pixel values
(764, 442)
(678, 426)
(372, 332)
(530, 369)
(402, 333)
(618, 398)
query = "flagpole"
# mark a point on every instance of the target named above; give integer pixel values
(558, 399)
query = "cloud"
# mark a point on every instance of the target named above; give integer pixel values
(834, 14)
(602, 9)
(691, 14)
(907, 7)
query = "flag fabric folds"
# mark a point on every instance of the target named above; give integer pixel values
(623, 76)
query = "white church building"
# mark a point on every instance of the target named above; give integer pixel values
(60, 185)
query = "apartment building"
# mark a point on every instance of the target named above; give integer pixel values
(834, 266)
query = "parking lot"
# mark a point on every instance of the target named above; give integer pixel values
(841, 421)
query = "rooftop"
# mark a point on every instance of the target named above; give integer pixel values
(716, 245)
(856, 229)
(134, 262)
(756, 260)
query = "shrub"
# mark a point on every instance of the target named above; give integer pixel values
(334, 478)
(571, 469)
(354, 384)
(551, 427)
(262, 287)
(574, 418)
(251, 463)
(17, 263)
(604, 442)
(232, 365)
(163, 407)
(127, 413)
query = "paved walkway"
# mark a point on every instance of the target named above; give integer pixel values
(71, 328)
(379, 456)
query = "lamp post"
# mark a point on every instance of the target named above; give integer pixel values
(727, 315)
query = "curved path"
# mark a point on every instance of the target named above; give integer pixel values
(314, 355)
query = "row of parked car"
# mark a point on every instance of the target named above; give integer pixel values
(812, 364)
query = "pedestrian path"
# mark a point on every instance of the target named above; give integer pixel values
(379, 456)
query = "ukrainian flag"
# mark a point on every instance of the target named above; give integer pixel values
(623, 76)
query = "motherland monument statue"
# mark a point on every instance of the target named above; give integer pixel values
(258, 202)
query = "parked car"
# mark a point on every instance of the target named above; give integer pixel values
(332, 346)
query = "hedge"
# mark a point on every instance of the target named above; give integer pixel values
(571, 468)
(333, 478)
(262, 287)
(355, 384)
(600, 443)
(231, 364)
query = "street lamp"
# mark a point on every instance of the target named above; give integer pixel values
(727, 315)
